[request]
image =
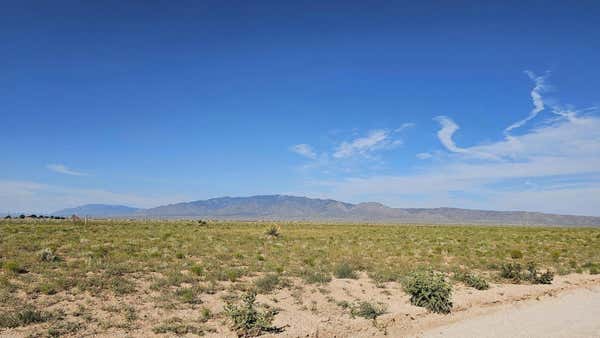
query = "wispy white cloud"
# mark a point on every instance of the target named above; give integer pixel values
(376, 139)
(446, 132)
(63, 169)
(304, 150)
(525, 171)
(353, 151)
(536, 97)
(404, 126)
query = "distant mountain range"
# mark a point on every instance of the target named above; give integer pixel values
(98, 210)
(294, 208)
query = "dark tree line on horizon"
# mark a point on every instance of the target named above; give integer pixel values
(23, 216)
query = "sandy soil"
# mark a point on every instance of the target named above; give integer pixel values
(313, 310)
(575, 313)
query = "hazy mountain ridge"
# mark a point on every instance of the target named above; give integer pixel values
(98, 210)
(282, 207)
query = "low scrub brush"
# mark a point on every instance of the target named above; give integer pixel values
(430, 290)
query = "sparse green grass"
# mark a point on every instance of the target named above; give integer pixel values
(182, 260)
(230, 251)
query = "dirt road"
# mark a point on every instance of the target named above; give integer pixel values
(572, 314)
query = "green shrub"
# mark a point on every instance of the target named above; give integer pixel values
(515, 272)
(121, 286)
(205, 314)
(247, 321)
(22, 317)
(345, 271)
(429, 289)
(197, 270)
(14, 267)
(267, 283)
(61, 329)
(231, 274)
(593, 268)
(516, 254)
(188, 295)
(511, 271)
(536, 277)
(46, 288)
(313, 277)
(46, 255)
(472, 280)
(367, 310)
(385, 276)
(178, 327)
(273, 231)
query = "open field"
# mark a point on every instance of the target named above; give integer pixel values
(136, 278)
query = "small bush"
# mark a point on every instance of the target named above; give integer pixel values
(231, 274)
(46, 255)
(385, 276)
(46, 288)
(367, 310)
(247, 321)
(205, 314)
(472, 280)
(61, 329)
(121, 286)
(178, 327)
(345, 271)
(273, 231)
(515, 272)
(429, 289)
(516, 254)
(267, 283)
(188, 295)
(593, 268)
(14, 267)
(537, 277)
(511, 271)
(197, 270)
(314, 277)
(22, 317)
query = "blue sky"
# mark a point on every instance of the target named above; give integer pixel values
(409, 104)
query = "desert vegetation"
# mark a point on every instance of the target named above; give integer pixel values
(61, 277)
